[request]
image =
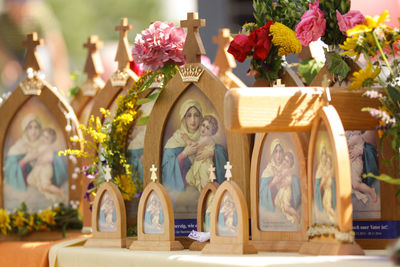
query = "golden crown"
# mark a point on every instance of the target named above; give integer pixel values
(158, 81)
(119, 78)
(191, 73)
(32, 85)
(90, 87)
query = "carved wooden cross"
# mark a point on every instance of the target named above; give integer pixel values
(193, 48)
(108, 173)
(31, 59)
(212, 173)
(123, 56)
(153, 170)
(228, 173)
(93, 66)
(224, 60)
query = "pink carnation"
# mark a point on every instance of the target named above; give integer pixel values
(160, 44)
(349, 20)
(312, 25)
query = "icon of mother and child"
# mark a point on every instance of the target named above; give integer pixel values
(191, 149)
(32, 161)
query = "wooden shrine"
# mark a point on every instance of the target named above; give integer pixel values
(302, 109)
(225, 61)
(83, 101)
(229, 222)
(155, 219)
(191, 95)
(37, 122)
(108, 218)
(204, 206)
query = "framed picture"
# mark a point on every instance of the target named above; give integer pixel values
(33, 130)
(229, 222)
(278, 188)
(186, 134)
(108, 218)
(155, 223)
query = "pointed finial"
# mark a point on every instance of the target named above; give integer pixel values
(224, 60)
(31, 59)
(108, 173)
(123, 56)
(193, 48)
(228, 173)
(212, 173)
(153, 170)
(94, 66)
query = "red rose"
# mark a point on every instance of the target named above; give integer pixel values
(260, 39)
(240, 47)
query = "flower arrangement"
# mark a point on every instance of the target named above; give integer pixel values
(58, 217)
(158, 50)
(380, 47)
(270, 38)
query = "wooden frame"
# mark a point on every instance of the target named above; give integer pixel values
(210, 188)
(278, 240)
(214, 90)
(238, 244)
(329, 244)
(117, 238)
(53, 101)
(161, 242)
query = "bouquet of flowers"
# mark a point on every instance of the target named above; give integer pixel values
(158, 50)
(380, 47)
(271, 37)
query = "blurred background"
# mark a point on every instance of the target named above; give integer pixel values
(66, 25)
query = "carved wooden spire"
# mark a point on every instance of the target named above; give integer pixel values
(123, 56)
(93, 66)
(31, 59)
(224, 60)
(193, 48)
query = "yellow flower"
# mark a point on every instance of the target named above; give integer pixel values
(47, 216)
(31, 223)
(285, 38)
(126, 186)
(364, 77)
(4, 222)
(350, 47)
(19, 220)
(370, 24)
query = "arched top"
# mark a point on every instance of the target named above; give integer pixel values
(54, 102)
(169, 231)
(297, 146)
(119, 205)
(242, 214)
(329, 119)
(209, 188)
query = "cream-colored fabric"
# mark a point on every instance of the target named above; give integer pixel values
(69, 243)
(78, 256)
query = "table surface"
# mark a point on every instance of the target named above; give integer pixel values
(63, 255)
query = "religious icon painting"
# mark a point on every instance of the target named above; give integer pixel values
(37, 123)
(363, 153)
(229, 222)
(155, 223)
(204, 212)
(278, 192)
(190, 138)
(329, 189)
(108, 218)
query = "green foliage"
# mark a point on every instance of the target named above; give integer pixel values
(336, 65)
(287, 12)
(308, 69)
(80, 19)
(333, 35)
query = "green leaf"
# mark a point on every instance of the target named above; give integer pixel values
(393, 93)
(142, 120)
(142, 101)
(147, 84)
(74, 91)
(383, 177)
(308, 69)
(337, 66)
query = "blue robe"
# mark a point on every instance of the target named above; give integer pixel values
(318, 194)
(266, 194)
(14, 175)
(171, 172)
(370, 163)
